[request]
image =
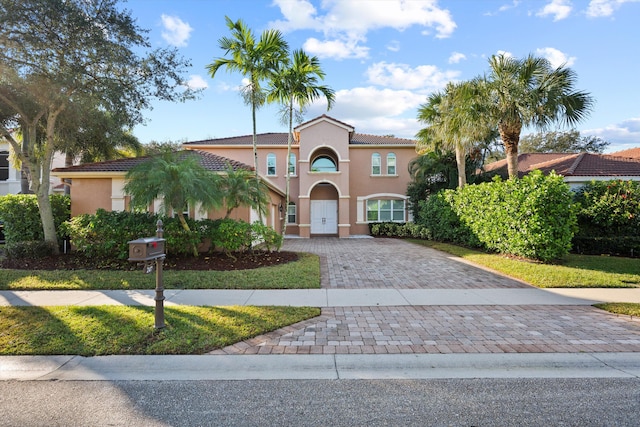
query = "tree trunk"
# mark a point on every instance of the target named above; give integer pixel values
(288, 178)
(460, 162)
(255, 149)
(185, 227)
(24, 170)
(510, 135)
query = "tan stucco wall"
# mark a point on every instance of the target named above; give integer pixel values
(90, 194)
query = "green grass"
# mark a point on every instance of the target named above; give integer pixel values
(106, 330)
(626, 308)
(574, 271)
(301, 274)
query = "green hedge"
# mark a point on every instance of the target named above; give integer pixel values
(609, 208)
(627, 246)
(106, 234)
(21, 216)
(532, 217)
(399, 229)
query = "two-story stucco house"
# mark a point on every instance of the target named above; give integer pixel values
(340, 180)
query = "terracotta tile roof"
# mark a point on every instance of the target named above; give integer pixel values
(631, 152)
(324, 116)
(365, 139)
(279, 138)
(210, 161)
(571, 164)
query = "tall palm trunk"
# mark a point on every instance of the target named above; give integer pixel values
(287, 196)
(510, 135)
(460, 162)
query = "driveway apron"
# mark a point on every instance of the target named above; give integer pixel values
(366, 263)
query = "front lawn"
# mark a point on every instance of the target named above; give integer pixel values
(574, 271)
(106, 330)
(301, 274)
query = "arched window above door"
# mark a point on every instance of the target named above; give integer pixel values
(324, 163)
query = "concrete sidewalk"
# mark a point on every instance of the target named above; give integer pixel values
(319, 367)
(326, 297)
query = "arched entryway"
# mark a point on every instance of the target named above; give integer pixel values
(324, 210)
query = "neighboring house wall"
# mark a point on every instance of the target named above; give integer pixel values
(10, 175)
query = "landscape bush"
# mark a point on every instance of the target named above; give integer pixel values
(399, 229)
(106, 234)
(608, 218)
(532, 217)
(21, 216)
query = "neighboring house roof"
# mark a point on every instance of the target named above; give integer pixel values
(262, 138)
(631, 152)
(571, 164)
(210, 161)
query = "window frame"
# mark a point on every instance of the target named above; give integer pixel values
(388, 211)
(292, 206)
(5, 167)
(324, 156)
(293, 168)
(392, 156)
(376, 158)
(271, 157)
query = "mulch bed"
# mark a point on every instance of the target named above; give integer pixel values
(216, 261)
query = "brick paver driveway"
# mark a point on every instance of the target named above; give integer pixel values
(388, 263)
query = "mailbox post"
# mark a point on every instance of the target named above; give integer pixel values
(148, 250)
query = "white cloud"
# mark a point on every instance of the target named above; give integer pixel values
(197, 82)
(604, 8)
(504, 8)
(176, 32)
(393, 46)
(347, 22)
(456, 57)
(376, 111)
(402, 76)
(555, 57)
(625, 134)
(559, 9)
(336, 49)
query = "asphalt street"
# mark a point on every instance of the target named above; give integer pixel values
(438, 402)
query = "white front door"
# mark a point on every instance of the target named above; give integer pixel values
(324, 217)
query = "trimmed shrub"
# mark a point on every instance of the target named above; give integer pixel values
(609, 208)
(266, 236)
(106, 234)
(232, 236)
(21, 216)
(627, 246)
(438, 216)
(29, 249)
(532, 217)
(399, 229)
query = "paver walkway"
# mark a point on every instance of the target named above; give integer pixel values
(389, 263)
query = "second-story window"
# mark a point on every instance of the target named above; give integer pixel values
(391, 164)
(271, 164)
(292, 164)
(375, 164)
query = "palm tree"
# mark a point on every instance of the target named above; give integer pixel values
(530, 92)
(257, 60)
(178, 180)
(456, 121)
(295, 87)
(239, 189)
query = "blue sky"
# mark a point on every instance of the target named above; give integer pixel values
(384, 57)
